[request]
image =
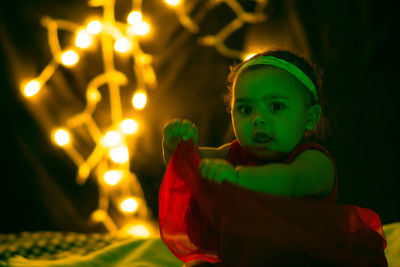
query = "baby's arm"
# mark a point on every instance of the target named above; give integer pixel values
(311, 173)
(215, 153)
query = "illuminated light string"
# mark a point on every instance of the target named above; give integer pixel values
(109, 160)
(218, 40)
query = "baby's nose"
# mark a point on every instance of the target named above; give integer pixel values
(258, 120)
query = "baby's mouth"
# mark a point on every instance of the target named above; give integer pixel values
(261, 138)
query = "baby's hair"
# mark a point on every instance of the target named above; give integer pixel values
(322, 130)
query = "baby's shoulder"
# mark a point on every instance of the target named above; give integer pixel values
(215, 152)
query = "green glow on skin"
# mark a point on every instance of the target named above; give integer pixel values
(285, 120)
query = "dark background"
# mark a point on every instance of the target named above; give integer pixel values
(353, 41)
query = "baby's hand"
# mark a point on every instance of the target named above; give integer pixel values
(178, 130)
(217, 170)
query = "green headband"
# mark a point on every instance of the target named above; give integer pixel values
(282, 64)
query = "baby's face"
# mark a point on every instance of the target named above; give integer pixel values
(269, 112)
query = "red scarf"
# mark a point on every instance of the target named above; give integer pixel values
(201, 220)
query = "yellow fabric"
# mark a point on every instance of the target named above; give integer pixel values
(392, 251)
(144, 252)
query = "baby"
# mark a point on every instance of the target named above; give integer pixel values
(273, 107)
(269, 197)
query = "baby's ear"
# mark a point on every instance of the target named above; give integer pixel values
(313, 114)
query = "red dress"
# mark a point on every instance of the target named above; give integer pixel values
(235, 226)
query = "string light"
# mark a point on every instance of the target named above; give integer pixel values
(61, 137)
(173, 2)
(113, 177)
(142, 29)
(134, 18)
(69, 58)
(218, 40)
(123, 45)
(129, 205)
(83, 39)
(94, 27)
(139, 100)
(119, 154)
(31, 88)
(112, 138)
(129, 126)
(120, 37)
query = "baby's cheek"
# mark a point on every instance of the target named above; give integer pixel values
(246, 135)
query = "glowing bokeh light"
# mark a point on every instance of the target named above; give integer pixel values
(173, 2)
(31, 88)
(139, 100)
(137, 230)
(122, 45)
(129, 126)
(83, 39)
(93, 95)
(113, 177)
(129, 205)
(61, 137)
(69, 58)
(135, 18)
(94, 27)
(142, 29)
(112, 138)
(119, 154)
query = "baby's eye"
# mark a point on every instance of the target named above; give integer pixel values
(244, 109)
(277, 106)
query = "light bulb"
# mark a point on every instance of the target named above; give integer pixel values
(112, 138)
(94, 27)
(123, 45)
(83, 39)
(129, 205)
(142, 29)
(69, 58)
(172, 2)
(31, 88)
(61, 137)
(139, 100)
(113, 177)
(129, 126)
(119, 154)
(134, 18)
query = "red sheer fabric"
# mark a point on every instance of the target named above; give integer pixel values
(200, 220)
